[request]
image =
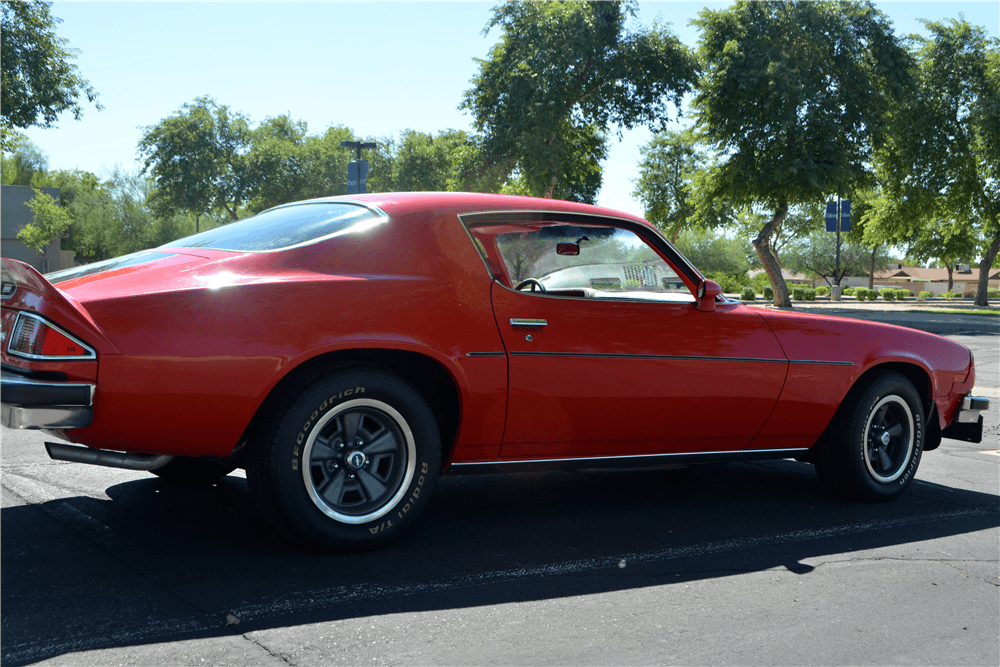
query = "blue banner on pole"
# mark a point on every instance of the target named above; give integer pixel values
(845, 216)
(352, 178)
(831, 216)
(357, 177)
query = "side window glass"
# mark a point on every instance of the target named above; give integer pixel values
(587, 261)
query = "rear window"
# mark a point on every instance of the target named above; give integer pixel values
(284, 227)
(135, 259)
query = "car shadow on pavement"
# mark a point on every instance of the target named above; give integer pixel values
(153, 563)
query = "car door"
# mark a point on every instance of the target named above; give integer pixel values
(615, 359)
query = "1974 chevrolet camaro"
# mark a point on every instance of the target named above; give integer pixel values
(346, 351)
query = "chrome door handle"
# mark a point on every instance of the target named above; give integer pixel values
(526, 322)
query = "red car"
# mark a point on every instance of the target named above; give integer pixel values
(346, 351)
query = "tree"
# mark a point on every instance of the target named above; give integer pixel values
(561, 73)
(39, 80)
(713, 253)
(943, 165)
(50, 224)
(666, 170)
(816, 255)
(797, 96)
(198, 159)
(26, 164)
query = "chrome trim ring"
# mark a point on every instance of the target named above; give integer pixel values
(359, 495)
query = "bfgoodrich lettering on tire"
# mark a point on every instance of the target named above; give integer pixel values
(345, 462)
(872, 449)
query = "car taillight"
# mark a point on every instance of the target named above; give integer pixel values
(35, 338)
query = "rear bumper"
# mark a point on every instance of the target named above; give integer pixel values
(36, 404)
(968, 423)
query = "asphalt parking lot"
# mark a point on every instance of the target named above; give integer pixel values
(721, 564)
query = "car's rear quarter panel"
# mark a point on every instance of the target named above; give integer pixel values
(199, 357)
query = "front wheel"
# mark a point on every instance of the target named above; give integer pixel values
(872, 450)
(346, 462)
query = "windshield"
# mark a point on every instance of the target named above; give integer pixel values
(285, 227)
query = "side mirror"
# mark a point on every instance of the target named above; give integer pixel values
(707, 291)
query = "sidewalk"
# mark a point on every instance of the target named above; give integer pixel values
(958, 306)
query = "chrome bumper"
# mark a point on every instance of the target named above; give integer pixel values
(971, 407)
(35, 404)
(968, 423)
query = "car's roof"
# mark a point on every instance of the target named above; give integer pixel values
(400, 203)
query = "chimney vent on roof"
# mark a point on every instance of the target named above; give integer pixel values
(962, 268)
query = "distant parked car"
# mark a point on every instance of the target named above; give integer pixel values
(345, 351)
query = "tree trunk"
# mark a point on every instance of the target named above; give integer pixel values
(762, 244)
(550, 189)
(951, 269)
(984, 271)
(871, 271)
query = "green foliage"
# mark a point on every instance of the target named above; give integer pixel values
(888, 294)
(798, 96)
(799, 293)
(748, 294)
(731, 283)
(713, 253)
(559, 76)
(760, 281)
(871, 294)
(672, 164)
(822, 290)
(993, 293)
(941, 172)
(25, 164)
(50, 223)
(950, 295)
(849, 291)
(39, 80)
(817, 253)
(924, 295)
(198, 158)
(768, 293)
(903, 293)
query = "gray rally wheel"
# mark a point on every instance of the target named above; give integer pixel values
(345, 462)
(873, 447)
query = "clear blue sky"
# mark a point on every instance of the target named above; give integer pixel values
(377, 68)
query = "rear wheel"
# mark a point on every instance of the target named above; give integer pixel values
(190, 472)
(346, 462)
(873, 448)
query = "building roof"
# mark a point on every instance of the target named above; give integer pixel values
(918, 273)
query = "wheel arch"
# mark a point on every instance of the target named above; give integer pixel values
(427, 375)
(916, 374)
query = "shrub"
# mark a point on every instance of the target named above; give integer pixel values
(969, 293)
(768, 293)
(993, 293)
(760, 281)
(903, 292)
(949, 295)
(872, 294)
(889, 295)
(748, 294)
(822, 290)
(810, 294)
(799, 294)
(849, 291)
(924, 295)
